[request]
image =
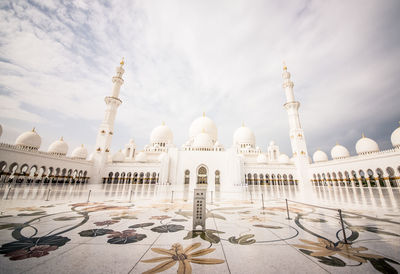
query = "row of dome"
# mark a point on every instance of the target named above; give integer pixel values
(203, 133)
(363, 146)
(32, 140)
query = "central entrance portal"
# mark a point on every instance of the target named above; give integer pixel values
(202, 175)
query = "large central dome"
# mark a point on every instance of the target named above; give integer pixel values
(203, 124)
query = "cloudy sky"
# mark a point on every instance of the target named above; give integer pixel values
(185, 57)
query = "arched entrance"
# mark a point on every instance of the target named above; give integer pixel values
(202, 175)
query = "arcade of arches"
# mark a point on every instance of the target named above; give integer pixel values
(358, 179)
(269, 179)
(16, 173)
(135, 178)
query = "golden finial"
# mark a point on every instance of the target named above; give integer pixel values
(34, 129)
(362, 135)
(284, 65)
(242, 123)
(62, 138)
(337, 143)
(122, 62)
(204, 114)
(163, 123)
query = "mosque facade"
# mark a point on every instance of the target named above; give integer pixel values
(202, 159)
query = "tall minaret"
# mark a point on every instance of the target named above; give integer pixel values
(297, 140)
(106, 130)
(299, 147)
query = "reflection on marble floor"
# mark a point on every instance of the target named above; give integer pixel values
(147, 228)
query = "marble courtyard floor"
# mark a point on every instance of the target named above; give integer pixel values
(137, 228)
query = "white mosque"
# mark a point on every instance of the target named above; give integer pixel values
(202, 159)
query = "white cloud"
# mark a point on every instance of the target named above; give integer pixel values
(222, 57)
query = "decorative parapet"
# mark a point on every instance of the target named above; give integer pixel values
(153, 149)
(361, 157)
(19, 149)
(248, 151)
(203, 149)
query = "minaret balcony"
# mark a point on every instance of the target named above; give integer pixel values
(111, 100)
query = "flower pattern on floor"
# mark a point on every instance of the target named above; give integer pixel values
(177, 254)
(45, 230)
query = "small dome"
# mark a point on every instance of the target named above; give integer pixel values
(203, 140)
(366, 145)
(284, 159)
(29, 139)
(205, 124)
(339, 152)
(131, 144)
(141, 157)
(161, 134)
(272, 143)
(244, 135)
(218, 145)
(262, 158)
(320, 156)
(118, 156)
(59, 147)
(395, 138)
(79, 153)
